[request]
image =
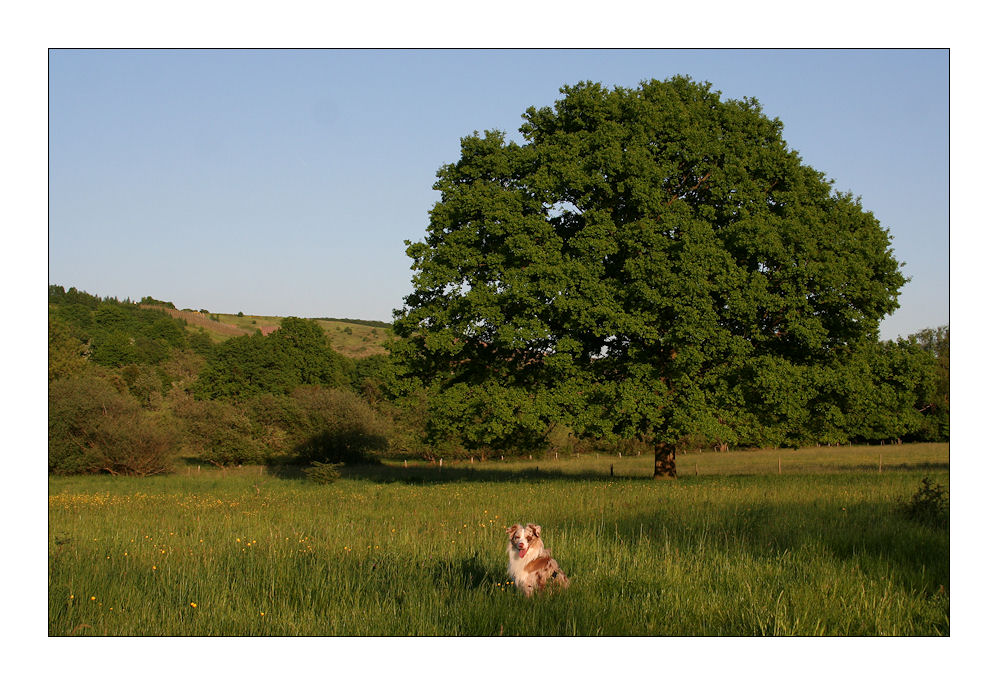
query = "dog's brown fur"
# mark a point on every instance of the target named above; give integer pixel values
(536, 569)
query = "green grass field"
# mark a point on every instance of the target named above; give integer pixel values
(781, 542)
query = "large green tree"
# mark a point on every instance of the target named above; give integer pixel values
(650, 262)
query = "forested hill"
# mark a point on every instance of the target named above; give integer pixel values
(353, 338)
(134, 386)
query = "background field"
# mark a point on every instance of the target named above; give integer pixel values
(734, 547)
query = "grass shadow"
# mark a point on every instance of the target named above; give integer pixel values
(422, 473)
(903, 466)
(382, 472)
(469, 573)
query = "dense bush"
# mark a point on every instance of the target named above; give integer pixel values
(336, 425)
(323, 473)
(219, 432)
(311, 424)
(95, 428)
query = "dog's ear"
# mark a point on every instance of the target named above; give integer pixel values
(535, 529)
(511, 529)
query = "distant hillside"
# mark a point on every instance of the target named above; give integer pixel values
(350, 337)
(362, 322)
(217, 330)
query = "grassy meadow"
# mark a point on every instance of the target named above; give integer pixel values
(775, 542)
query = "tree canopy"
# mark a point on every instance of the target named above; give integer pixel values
(298, 353)
(651, 262)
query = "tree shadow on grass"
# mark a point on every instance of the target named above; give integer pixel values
(421, 473)
(391, 472)
(903, 466)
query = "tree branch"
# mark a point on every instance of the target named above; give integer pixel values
(676, 196)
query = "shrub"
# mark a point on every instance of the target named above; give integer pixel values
(93, 428)
(323, 472)
(219, 433)
(336, 424)
(133, 446)
(930, 505)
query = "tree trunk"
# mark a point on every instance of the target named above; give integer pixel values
(665, 460)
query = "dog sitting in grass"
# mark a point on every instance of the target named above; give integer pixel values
(531, 566)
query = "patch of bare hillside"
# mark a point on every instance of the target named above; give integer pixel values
(349, 339)
(210, 325)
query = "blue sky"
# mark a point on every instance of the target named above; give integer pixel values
(281, 182)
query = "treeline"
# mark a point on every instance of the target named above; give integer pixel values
(135, 391)
(889, 391)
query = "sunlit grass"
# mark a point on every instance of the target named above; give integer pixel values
(415, 549)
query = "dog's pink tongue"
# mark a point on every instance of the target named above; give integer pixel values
(523, 553)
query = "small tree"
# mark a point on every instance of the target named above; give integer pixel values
(310, 353)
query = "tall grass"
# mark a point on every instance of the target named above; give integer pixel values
(414, 549)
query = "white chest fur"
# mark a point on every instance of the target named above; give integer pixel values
(518, 564)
